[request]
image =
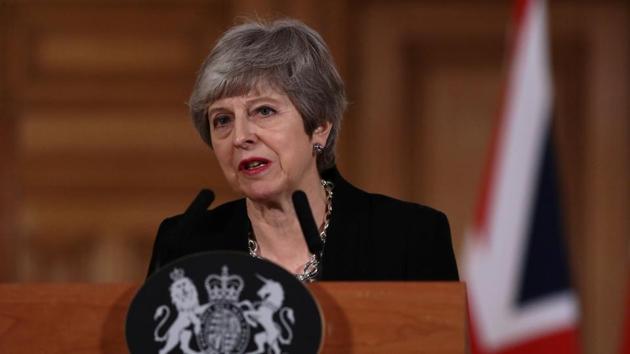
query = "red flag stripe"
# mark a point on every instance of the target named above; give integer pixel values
(564, 341)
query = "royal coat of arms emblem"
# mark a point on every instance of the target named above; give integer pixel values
(223, 302)
(224, 324)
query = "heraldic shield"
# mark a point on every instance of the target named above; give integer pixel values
(223, 302)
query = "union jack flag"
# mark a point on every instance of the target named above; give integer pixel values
(515, 264)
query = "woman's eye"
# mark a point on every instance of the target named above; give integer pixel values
(265, 111)
(221, 121)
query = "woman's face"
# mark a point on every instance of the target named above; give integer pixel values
(260, 143)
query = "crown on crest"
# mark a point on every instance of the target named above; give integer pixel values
(177, 274)
(224, 287)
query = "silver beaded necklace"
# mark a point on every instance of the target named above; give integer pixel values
(311, 268)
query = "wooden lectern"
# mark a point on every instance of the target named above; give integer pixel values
(360, 317)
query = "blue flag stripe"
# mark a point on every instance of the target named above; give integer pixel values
(545, 268)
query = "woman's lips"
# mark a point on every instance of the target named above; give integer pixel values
(253, 166)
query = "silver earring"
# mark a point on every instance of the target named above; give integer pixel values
(318, 148)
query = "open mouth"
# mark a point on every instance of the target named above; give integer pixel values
(253, 164)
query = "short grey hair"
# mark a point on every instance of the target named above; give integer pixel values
(286, 54)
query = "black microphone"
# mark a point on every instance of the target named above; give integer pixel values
(307, 222)
(196, 210)
(188, 222)
(201, 202)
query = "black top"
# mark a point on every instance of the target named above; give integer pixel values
(370, 237)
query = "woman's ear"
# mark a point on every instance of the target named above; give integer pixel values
(321, 133)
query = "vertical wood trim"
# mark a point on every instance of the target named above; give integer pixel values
(8, 192)
(607, 172)
(8, 183)
(380, 161)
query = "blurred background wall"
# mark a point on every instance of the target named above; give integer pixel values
(96, 146)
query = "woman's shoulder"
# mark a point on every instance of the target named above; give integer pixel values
(398, 205)
(356, 198)
(406, 219)
(389, 238)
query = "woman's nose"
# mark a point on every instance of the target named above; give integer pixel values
(244, 135)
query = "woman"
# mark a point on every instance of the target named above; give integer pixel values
(269, 102)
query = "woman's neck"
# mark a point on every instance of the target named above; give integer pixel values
(276, 229)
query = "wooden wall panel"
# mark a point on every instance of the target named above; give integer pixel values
(103, 143)
(450, 141)
(109, 51)
(413, 141)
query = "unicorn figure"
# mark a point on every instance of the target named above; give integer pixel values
(271, 297)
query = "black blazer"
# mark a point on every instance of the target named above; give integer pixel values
(370, 237)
